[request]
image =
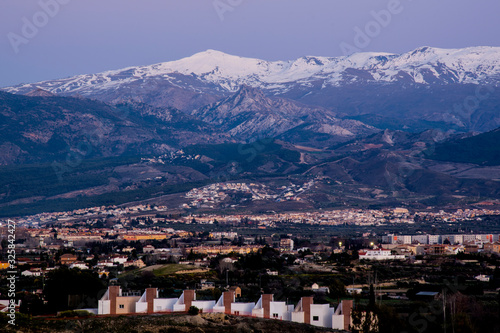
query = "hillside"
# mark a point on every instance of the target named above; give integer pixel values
(44, 128)
(483, 149)
(208, 323)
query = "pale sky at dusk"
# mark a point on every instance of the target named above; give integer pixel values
(89, 36)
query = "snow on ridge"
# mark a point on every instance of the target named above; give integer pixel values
(469, 65)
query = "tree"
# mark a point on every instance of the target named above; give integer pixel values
(63, 282)
(364, 321)
(5, 244)
(371, 302)
(337, 289)
(30, 303)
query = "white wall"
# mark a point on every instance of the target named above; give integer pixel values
(206, 306)
(242, 308)
(280, 308)
(324, 314)
(259, 312)
(434, 239)
(141, 307)
(219, 306)
(219, 309)
(298, 316)
(180, 305)
(164, 304)
(104, 307)
(338, 322)
(406, 239)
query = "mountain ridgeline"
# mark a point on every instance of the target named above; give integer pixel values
(446, 88)
(370, 129)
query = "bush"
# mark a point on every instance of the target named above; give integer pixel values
(74, 313)
(193, 311)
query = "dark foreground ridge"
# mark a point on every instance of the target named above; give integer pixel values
(216, 322)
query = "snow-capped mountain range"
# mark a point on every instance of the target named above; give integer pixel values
(224, 72)
(380, 89)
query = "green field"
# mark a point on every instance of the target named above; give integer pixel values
(161, 270)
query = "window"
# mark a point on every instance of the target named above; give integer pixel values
(237, 313)
(315, 318)
(275, 315)
(121, 306)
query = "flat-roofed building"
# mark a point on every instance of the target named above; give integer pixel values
(115, 301)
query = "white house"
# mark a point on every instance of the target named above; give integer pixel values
(321, 315)
(266, 307)
(379, 254)
(79, 264)
(483, 278)
(313, 314)
(32, 272)
(119, 259)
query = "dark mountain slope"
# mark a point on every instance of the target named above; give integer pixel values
(46, 128)
(481, 149)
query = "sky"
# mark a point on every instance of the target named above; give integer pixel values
(49, 39)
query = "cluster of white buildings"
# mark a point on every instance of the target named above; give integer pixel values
(90, 213)
(116, 302)
(224, 234)
(216, 193)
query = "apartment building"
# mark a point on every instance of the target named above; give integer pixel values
(492, 247)
(115, 302)
(419, 239)
(440, 239)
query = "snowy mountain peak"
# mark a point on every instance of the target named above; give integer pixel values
(207, 55)
(210, 52)
(424, 65)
